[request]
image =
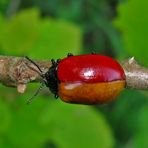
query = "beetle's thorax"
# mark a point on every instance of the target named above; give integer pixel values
(52, 79)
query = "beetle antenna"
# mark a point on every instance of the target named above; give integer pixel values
(34, 63)
(36, 93)
(69, 54)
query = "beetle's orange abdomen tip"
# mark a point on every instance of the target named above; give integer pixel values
(90, 93)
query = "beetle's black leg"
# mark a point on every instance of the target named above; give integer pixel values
(53, 62)
(34, 63)
(56, 96)
(69, 54)
(58, 61)
(93, 52)
(36, 93)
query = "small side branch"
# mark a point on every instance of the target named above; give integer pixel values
(18, 71)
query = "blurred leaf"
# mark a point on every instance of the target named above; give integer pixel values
(56, 39)
(74, 7)
(3, 2)
(28, 34)
(77, 126)
(19, 34)
(111, 33)
(52, 121)
(133, 21)
(4, 5)
(1, 19)
(25, 130)
(4, 117)
(140, 138)
(124, 114)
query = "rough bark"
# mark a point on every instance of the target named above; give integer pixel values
(18, 71)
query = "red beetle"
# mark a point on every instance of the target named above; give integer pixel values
(85, 79)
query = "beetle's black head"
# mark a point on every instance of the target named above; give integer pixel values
(51, 78)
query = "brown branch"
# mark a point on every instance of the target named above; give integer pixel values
(136, 75)
(18, 71)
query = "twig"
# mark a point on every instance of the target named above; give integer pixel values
(136, 75)
(18, 71)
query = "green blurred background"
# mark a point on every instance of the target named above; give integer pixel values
(45, 29)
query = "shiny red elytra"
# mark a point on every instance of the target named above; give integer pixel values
(84, 79)
(89, 68)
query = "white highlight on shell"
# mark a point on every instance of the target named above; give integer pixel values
(88, 73)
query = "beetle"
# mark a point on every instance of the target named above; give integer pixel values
(84, 79)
